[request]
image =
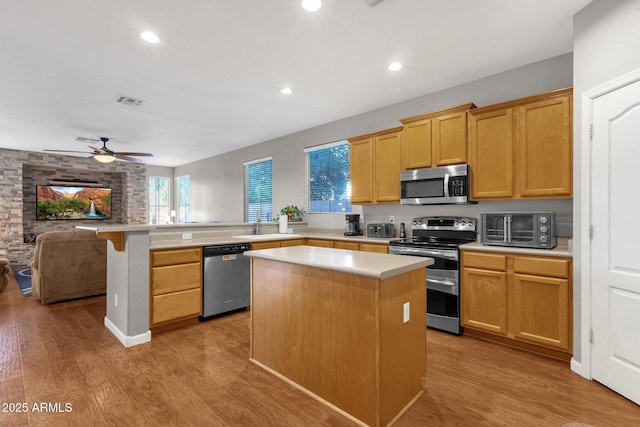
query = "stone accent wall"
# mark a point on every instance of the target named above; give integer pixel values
(21, 171)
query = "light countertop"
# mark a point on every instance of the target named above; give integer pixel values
(561, 249)
(376, 265)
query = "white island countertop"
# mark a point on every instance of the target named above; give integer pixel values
(370, 264)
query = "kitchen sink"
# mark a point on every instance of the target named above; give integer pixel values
(266, 236)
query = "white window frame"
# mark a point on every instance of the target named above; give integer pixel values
(157, 206)
(247, 214)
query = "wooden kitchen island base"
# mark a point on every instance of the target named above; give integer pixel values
(338, 332)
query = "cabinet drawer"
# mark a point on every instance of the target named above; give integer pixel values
(542, 266)
(353, 246)
(484, 260)
(320, 242)
(372, 247)
(292, 242)
(175, 256)
(173, 278)
(176, 305)
(264, 245)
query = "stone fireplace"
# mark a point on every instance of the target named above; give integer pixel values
(21, 171)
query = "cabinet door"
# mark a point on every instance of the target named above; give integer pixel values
(176, 305)
(416, 145)
(483, 300)
(361, 170)
(387, 168)
(544, 144)
(491, 154)
(450, 139)
(541, 311)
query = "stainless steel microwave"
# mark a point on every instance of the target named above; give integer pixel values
(520, 229)
(435, 186)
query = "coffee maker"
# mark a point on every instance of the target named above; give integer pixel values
(353, 225)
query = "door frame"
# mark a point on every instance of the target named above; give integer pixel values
(583, 367)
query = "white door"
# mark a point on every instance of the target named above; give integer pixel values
(615, 245)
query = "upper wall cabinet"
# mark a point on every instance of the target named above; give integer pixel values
(435, 139)
(522, 149)
(375, 162)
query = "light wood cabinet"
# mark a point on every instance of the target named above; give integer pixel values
(522, 148)
(375, 163)
(361, 170)
(374, 247)
(175, 287)
(434, 139)
(320, 242)
(352, 246)
(521, 300)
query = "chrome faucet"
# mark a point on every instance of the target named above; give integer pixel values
(258, 223)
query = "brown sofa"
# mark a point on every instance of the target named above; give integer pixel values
(4, 269)
(68, 264)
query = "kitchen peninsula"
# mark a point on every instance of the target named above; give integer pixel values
(347, 327)
(134, 251)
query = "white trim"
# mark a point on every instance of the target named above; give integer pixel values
(584, 366)
(125, 340)
(326, 145)
(251, 162)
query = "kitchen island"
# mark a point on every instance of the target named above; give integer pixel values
(346, 327)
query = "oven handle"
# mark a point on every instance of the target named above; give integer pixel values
(426, 253)
(441, 282)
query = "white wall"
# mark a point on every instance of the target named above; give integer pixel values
(217, 183)
(606, 45)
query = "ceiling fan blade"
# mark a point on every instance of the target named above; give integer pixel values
(83, 139)
(127, 158)
(68, 151)
(125, 153)
(100, 150)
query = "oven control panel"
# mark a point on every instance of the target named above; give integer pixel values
(444, 223)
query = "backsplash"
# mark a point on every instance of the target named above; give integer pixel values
(21, 171)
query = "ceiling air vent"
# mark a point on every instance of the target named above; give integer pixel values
(127, 100)
(373, 2)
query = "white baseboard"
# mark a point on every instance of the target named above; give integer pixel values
(124, 339)
(577, 368)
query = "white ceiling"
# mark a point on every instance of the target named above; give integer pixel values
(213, 83)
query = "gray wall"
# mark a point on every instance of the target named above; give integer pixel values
(606, 46)
(218, 183)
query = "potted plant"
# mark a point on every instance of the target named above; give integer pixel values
(292, 212)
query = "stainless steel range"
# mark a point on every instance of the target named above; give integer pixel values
(439, 237)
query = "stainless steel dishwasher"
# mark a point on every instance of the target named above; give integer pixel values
(226, 279)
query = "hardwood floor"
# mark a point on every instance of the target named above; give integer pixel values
(200, 375)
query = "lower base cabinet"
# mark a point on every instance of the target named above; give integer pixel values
(523, 301)
(175, 287)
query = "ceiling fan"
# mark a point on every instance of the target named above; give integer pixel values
(104, 154)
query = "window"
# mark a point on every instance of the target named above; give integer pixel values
(183, 198)
(259, 189)
(159, 200)
(329, 187)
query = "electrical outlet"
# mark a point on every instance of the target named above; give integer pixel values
(391, 219)
(186, 236)
(115, 300)
(406, 310)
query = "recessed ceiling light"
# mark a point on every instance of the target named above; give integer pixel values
(311, 5)
(150, 37)
(394, 66)
(286, 91)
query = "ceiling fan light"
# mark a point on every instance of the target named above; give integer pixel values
(104, 158)
(311, 5)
